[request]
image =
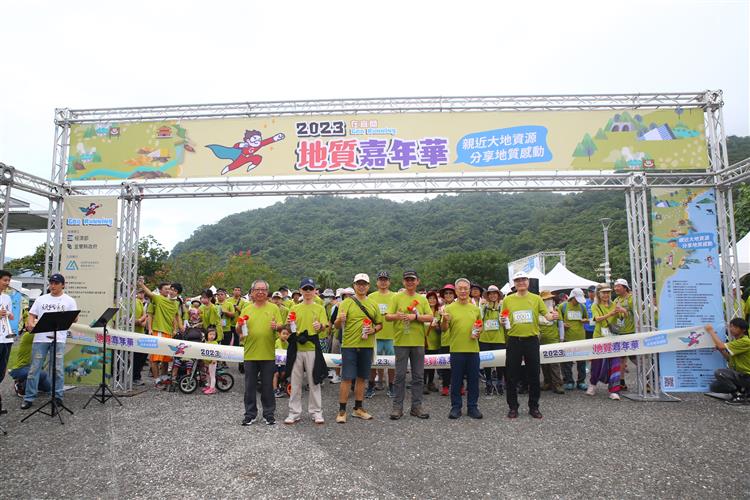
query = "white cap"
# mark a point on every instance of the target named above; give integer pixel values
(623, 282)
(361, 277)
(577, 294)
(520, 275)
(328, 292)
(347, 291)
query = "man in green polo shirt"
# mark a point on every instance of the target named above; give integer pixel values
(735, 379)
(361, 320)
(383, 296)
(462, 317)
(409, 311)
(264, 321)
(522, 342)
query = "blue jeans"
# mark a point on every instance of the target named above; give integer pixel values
(464, 364)
(39, 353)
(21, 374)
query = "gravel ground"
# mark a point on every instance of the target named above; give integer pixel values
(171, 445)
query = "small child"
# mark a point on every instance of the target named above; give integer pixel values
(194, 314)
(279, 378)
(211, 365)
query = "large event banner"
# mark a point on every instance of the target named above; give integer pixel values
(619, 140)
(526, 264)
(87, 260)
(688, 281)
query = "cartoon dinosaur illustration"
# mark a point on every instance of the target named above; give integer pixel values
(692, 339)
(245, 151)
(180, 349)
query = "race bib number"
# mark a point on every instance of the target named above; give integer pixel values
(492, 324)
(383, 308)
(522, 317)
(224, 322)
(606, 332)
(575, 316)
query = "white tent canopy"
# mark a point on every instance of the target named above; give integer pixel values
(743, 255)
(560, 278)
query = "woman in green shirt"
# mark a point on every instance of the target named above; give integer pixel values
(606, 370)
(492, 337)
(432, 340)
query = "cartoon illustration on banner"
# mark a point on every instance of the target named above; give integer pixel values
(660, 139)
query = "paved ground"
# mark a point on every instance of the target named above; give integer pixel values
(172, 445)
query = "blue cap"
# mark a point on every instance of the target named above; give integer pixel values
(306, 282)
(57, 277)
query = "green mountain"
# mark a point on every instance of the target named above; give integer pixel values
(469, 234)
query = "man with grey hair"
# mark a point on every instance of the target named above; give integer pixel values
(261, 320)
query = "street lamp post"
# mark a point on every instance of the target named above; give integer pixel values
(606, 222)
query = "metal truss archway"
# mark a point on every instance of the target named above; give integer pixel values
(634, 185)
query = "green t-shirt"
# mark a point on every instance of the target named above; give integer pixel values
(354, 319)
(493, 332)
(524, 314)
(261, 339)
(433, 332)
(740, 354)
(238, 305)
(23, 352)
(415, 335)
(138, 315)
(281, 344)
(383, 300)
(288, 303)
(224, 308)
(445, 335)
(318, 300)
(284, 311)
(306, 316)
(462, 321)
(575, 316)
(210, 316)
(548, 332)
(164, 312)
(598, 310)
(626, 324)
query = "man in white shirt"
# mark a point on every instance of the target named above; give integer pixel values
(54, 301)
(6, 335)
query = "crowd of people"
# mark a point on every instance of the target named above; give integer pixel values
(460, 319)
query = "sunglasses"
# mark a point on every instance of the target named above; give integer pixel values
(307, 289)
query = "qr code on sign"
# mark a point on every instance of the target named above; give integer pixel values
(668, 382)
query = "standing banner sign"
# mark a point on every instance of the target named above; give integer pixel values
(87, 261)
(688, 281)
(526, 264)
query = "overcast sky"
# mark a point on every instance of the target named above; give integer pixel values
(104, 54)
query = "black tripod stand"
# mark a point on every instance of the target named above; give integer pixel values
(53, 322)
(103, 393)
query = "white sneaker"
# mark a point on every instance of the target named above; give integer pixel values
(336, 379)
(591, 390)
(614, 396)
(291, 420)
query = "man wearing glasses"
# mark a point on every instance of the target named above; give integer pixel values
(263, 321)
(409, 311)
(522, 338)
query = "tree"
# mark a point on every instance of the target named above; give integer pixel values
(586, 147)
(152, 257)
(33, 262)
(327, 279)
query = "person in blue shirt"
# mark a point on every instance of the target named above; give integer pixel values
(588, 326)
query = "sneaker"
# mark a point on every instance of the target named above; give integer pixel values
(370, 392)
(582, 386)
(247, 421)
(396, 413)
(614, 396)
(361, 413)
(390, 392)
(419, 413)
(19, 388)
(569, 386)
(336, 380)
(319, 420)
(445, 391)
(454, 414)
(546, 387)
(534, 412)
(25, 405)
(211, 390)
(513, 413)
(558, 390)
(488, 390)
(290, 420)
(269, 421)
(341, 417)
(278, 393)
(475, 413)
(331, 373)
(591, 390)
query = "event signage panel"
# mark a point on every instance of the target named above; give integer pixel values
(688, 281)
(87, 260)
(451, 142)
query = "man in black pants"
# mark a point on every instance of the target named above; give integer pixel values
(522, 342)
(259, 336)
